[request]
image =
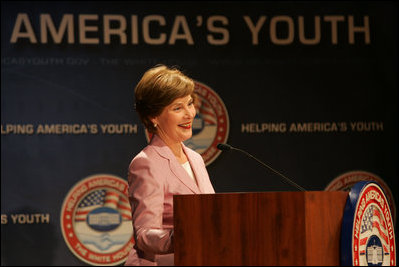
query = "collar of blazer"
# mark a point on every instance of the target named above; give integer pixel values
(164, 151)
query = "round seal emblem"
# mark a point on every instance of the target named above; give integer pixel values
(210, 125)
(345, 181)
(368, 236)
(96, 220)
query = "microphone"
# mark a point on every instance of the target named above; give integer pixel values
(224, 147)
(227, 147)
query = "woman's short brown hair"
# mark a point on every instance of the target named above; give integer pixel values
(158, 88)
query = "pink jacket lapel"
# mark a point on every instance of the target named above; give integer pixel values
(197, 167)
(174, 165)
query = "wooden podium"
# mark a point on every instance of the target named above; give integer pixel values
(267, 228)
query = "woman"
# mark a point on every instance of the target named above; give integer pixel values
(165, 103)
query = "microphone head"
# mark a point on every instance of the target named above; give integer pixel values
(224, 147)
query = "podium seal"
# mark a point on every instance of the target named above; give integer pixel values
(367, 236)
(345, 181)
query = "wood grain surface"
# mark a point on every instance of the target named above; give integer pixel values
(266, 228)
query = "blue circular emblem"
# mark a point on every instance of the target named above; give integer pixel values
(367, 234)
(96, 220)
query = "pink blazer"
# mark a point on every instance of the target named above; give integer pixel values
(154, 177)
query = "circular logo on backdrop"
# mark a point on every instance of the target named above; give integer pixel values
(96, 220)
(344, 182)
(368, 236)
(210, 125)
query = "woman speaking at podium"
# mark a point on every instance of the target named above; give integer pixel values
(165, 104)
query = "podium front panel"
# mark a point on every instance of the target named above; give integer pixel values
(266, 228)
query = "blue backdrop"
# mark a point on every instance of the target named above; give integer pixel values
(308, 87)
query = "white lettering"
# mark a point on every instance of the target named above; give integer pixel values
(118, 128)
(263, 127)
(47, 23)
(146, 30)
(255, 29)
(290, 30)
(314, 127)
(36, 218)
(4, 219)
(17, 129)
(154, 29)
(135, 30)
(334, 28)
(372, 126)
(212, 28)
(84, 29)
(108, 31)
(317, 31)
(23, 20)
(181, 21)
(365, 29)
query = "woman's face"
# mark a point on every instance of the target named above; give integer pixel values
(174, 124)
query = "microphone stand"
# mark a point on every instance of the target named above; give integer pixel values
(227, 147)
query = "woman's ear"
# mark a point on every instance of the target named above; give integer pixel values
(154, 121)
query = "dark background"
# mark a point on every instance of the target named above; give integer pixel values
(267, 82)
